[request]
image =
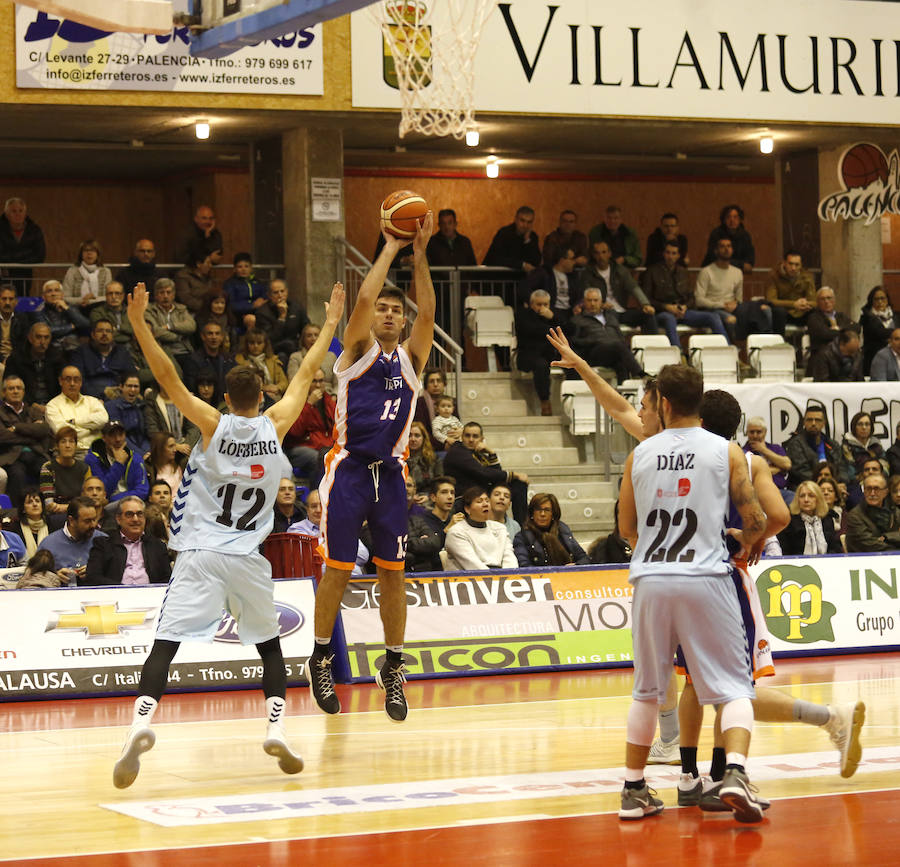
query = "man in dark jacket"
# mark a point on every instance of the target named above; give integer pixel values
(595, 336)
(210, 359)
(287, 510)
(874, 525)
(24, 438)
(38, 364)
(141, 267)
(893, 455)
(13, 326)
(424, 540)
(447, 247)
(825, 322)
(517, 245)
(534, 350)
(282, 319)
(102, 362)
(121, 470)
(810, 447)
(202, 239)
(839, 361)
(21, 240)
(131, 557)
(731, 227)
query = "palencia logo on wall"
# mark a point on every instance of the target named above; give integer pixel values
(870, 183)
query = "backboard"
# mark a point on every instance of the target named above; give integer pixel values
(123, 16)
(235, 23)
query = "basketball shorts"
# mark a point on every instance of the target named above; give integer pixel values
(758, 639)
(206, 583)
(354, 491)
(703, 616)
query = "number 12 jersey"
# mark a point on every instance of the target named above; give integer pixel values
(227, 492)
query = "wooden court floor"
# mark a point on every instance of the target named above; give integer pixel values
(506, 770)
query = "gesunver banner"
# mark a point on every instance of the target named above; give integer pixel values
(810, 60)
(56, 53)
(94, 640)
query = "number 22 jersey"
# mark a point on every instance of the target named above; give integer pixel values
(227, 492)
(681, 480)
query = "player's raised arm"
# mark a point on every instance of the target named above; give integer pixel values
(422, 335)
(203, 415)
(284, 413)
(358, 333)
(616, 406)
(744, 498)
(628, 528)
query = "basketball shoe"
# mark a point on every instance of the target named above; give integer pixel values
(664, 753)
(276, 745)
(140, 739)
(843, 728)
(740, 796)
(638, 803)
(710, 802)
(391, 677)
(321, 682)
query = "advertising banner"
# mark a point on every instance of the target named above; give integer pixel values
(810, 60)
(56, 53)
(94, 640)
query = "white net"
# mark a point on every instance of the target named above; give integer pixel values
(429, 56)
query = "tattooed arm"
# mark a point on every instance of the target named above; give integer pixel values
(744, 497)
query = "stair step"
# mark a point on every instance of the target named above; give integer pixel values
(479, 410)
(525, 437)
(525, 458)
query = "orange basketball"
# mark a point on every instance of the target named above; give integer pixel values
(401, 211)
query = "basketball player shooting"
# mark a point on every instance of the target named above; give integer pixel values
(365, 471)
(221, 514)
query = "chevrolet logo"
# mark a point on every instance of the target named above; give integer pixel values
(101, 619)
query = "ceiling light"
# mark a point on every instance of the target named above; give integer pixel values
(201, 129)
(766, 144)
(472, 138)
(492, 167)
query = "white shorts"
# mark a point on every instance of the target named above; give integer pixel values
(703, 616)
(204, 583)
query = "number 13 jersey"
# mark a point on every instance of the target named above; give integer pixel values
(681, 480)
(375, 404)
(227, 493)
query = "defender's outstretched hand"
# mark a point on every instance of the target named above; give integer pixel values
(424, 231)
(138, 299)
(334, 309)
(568, 356)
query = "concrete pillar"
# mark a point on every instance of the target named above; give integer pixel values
(308, 245)
(851, 251)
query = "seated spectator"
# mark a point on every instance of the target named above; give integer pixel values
(311, 436)
(595, 335)
(308, 337)
(120, 469)
(435, 383)
(669, 292)
(310, 526)
(31, 526)
(245, 292)
(442, 498)
(859, 445)
(166, 463)
(501, 500)
(854, 488)
(423, 541)
(171, 323)
(618, 289)
(773, 454)
(12, 550)
(838, 361)
(193, 283)
(71, 545)
(65, 322)
(834, 500)
(886, 363)
(255, 351)
(216, 309)
(102, 362)
(478, 543)
(161, 496)
(422, 463)
(825, 323)
(13, 326)
(544, 539)
(202, 239)
(161, 416)
(282, 319)
(210, 359)
(128, 410)
(613, 548)
(113, 308)
(472, 464)
(21, 240)
(567, 237)
(622, 241)
(811, 530)
(516, 245)
(893, 454)
(131, 557)
(38, 364)
(791, 292)
(731, 228)
(62, 477)
(878, 321)
(874, 525)
(24, 438)
(445, 423)
(446, 247)
(667, 233)
(141, 267)
(157, 524)
(894, 489)
(95, 491)
(81, 411)
(40, 573)
(85, 282)
(810, 447)
(555, 278)
(286, 509)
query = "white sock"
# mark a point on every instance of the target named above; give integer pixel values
(144, 708)
(275, 706)
(735, 759)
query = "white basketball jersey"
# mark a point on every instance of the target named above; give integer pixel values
(227, 493)
(681, 490)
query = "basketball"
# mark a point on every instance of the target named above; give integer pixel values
(400, 213)
(862, 164)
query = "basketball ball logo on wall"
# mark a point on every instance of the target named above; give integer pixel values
(871, 186)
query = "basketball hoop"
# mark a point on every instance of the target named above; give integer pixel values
(433, 67)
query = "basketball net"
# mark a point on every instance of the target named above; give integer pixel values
(433, 67)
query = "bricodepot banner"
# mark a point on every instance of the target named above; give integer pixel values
(94, 640)
(580, 617)
(53, 52)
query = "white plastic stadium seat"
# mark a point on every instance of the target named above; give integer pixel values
(642, 341)
(655, 357)
(476, 302)
(698, 342)
(775, 363)
(718, 363)
(579, 407)
(494, 326)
